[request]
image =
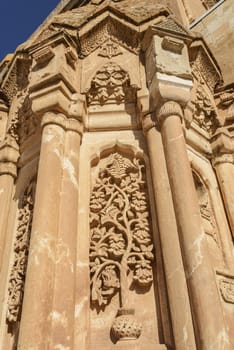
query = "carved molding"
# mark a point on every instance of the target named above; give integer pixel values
(121, 242)
(111, 84)
(21, 247)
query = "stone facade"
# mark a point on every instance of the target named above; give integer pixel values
(116, 182)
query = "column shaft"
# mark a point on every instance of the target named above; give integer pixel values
(64, 290)
(174, 271)
(38, 296)
(206, 304)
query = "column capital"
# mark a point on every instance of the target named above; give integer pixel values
(168, 109)
(68, 124)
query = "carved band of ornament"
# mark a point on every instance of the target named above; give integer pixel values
(43, 56)
(226, 286)
(169, 108)
(21, 248)
(223, 158)
(59, 119)
(109, 30)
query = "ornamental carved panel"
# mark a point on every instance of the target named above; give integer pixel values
(21, 248)
(121, 247)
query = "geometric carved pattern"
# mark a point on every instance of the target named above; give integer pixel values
(21, 247)
(121, 243)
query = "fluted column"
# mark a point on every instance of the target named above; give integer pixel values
(223, 162)
(205, 300)
(174, 271)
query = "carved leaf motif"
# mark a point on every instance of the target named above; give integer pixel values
(120, 239)
(21, 246)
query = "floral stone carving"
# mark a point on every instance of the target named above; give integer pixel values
(121, 243)
(21, 247)
(111, 84)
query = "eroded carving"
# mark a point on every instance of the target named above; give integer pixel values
(110, 49)
(120, 230)
(111, 84)
(204, 111)
(206, 211)
(21, 247)
(226, 286)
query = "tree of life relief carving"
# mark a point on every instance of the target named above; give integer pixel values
(121, 243)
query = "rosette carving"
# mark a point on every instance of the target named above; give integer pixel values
(121, 243)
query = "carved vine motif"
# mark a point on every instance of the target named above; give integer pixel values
(120, 230)
(207, 215)
(111, 84)
(21, 246)
(204, 111)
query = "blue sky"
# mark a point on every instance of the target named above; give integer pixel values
(18, 20)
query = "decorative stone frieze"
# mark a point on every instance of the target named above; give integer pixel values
(21, 248)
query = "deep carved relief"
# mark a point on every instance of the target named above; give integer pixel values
(111, 84)
(21, 247)
(204, 112)
(121, 243)
(206, 211)
(109, 49)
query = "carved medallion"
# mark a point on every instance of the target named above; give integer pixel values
(111, 84)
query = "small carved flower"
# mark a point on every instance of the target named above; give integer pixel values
(116, 244)
(142, 236)
(143, 273)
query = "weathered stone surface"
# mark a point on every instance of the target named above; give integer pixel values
(116, 182)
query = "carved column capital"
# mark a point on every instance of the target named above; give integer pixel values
(168, 109)
(68, 124)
